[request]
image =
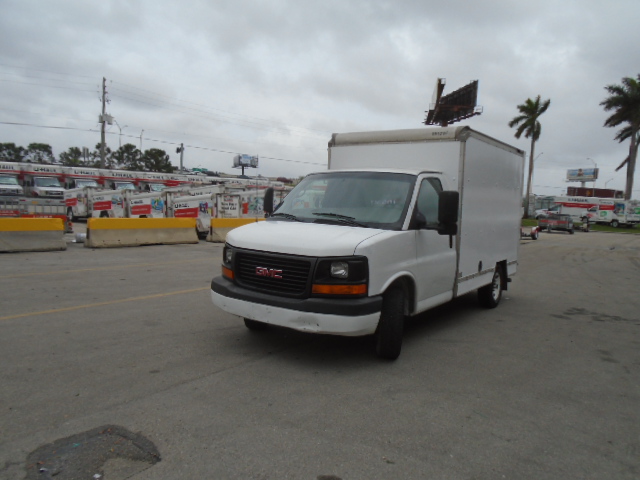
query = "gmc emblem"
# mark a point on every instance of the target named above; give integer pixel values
(268, 272)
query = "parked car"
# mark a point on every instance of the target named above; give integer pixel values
(556, 221)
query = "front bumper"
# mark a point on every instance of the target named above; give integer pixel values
(349, 317)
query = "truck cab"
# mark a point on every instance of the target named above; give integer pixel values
(9, 185)
(124, 186)
(46, 187)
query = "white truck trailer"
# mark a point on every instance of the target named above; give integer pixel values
(401, 222)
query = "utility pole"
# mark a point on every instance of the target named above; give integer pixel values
(103, 120)
(180, 150)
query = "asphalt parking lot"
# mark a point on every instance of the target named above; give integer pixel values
(119, 356)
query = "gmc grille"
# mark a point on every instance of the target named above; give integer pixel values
(295, 273)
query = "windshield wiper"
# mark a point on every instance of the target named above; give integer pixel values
(341, 218)
(288, 216)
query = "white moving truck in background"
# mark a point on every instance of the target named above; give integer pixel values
(401, 222)
(615, 212)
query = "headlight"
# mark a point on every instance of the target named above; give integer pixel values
(345, 276)
(228, 255)
(339, 269)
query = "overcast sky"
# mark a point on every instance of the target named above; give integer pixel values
(276, 78)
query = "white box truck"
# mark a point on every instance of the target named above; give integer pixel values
(401, 222)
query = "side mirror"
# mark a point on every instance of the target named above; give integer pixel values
(448, 212)
(268, 202)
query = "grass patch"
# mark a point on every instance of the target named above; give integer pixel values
(607, 228)
(529, 222)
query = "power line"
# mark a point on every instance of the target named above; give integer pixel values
(46, 71)
(44, 85)
(254, 119)
(198, 110)
(165, 142)
(295, 131)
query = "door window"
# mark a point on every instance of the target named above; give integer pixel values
(428, 199)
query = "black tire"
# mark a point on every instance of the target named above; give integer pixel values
(255, 325)
(70, 216)
(615, 223)
(549, 229)
(391, 325)
(571, 231)
(534, 235)
(490, 295)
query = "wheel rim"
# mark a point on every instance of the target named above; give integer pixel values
(495, 286)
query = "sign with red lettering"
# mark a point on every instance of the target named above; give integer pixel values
(104, 205)
(187, 212)
(141, 209)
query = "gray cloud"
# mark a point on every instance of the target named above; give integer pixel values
(277, 78)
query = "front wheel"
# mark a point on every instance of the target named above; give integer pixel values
(391, 325)
(615, 223)
(490, 295)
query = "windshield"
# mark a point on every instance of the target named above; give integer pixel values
(366, 199)
(8, 180)
(46, 182)
(156, 187)
(86, 183)
(125, 186)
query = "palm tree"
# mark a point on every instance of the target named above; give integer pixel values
(624, 100)
(528, 123)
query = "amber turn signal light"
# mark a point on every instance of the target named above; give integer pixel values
(360, 289)
(227, 272)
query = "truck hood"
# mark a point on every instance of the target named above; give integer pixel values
(296, 238)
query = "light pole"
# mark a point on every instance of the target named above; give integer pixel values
(141, 140)
(120, 135)
(595, 171)
(605, 183)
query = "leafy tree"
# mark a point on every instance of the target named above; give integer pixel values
(528, 124)
(72, 157)
(96, 160)
(40, 153)
(624, 100)
(156, 160)
(127, 157)
(9, 152)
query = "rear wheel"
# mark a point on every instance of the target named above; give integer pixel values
(391, 325)
(490, 295)
(254, 324)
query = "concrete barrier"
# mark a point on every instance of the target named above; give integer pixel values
(31, 234)
(132, 232)
(221, 226)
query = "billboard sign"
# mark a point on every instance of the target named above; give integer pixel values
(582, 175)
(245, 161)
(455, 106)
